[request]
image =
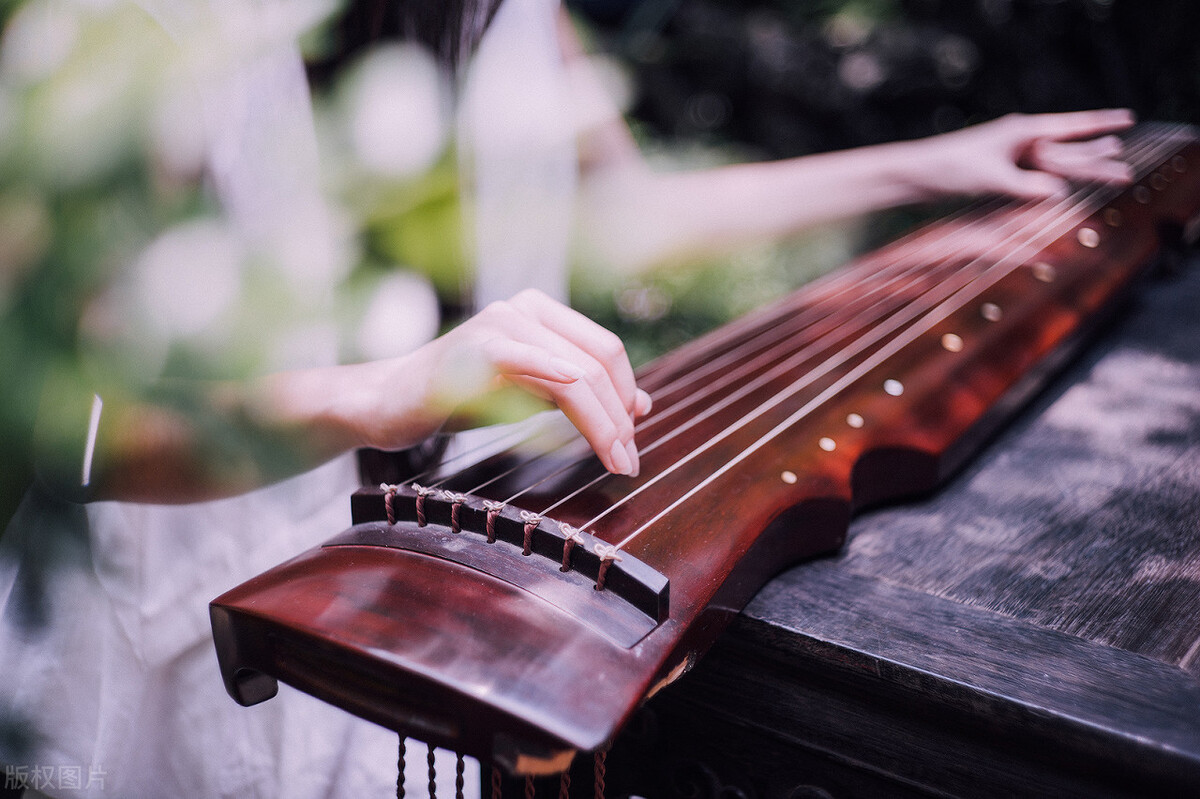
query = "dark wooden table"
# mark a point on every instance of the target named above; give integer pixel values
(1031, 630)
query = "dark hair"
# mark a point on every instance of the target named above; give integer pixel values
(449, 28)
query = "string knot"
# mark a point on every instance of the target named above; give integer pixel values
(422, 492)
(571, 537)
(493, 509)
(389, 494)
(456, 501)
(532, 520)
(570, 533)
(608, 555)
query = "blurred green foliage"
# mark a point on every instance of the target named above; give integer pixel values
(78, 197)
(759, 79)
(107, 207)
(420, 225)
(102, 172)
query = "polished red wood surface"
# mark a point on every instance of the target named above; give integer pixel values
(524, 638)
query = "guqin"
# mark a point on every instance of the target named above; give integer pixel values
(519, 605)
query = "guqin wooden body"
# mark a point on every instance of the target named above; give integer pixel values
(520, 608)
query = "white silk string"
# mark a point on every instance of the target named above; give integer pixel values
(742, 367)
(769, 320)
(903, 264)
(1051, 220)
(797, 359)
(952, 302)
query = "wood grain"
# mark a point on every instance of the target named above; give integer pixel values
(748, 476)
(1024, 632)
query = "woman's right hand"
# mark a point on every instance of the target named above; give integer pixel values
(531, 342)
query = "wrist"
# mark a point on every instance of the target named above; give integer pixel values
(918, 169)
(387, 404)
(314, 408)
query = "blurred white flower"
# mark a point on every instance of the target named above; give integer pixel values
(313, 244)
(861, 71)
(397, 111)
(188, 277)
(38, 40)
(643, 303)
(401, 316)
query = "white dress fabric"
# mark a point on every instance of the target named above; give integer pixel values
(122, 683)
(517, 144)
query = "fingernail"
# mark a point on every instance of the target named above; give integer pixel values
(634, 466)
(620, 458)
(566, 368)
(643, 404)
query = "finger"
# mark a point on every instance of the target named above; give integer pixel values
(611, 443)
(1091, 161)
(601, 344)
(594, 375)
(1078, 124)
(643, 404)
(509, 319)
(535, 320)
(510, 357)
(1028, 184)
(1102, 147)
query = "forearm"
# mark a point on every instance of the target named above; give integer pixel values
(756, 200)
(192, 442)
(637, 217)
(199, 441)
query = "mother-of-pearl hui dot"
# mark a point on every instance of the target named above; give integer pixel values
(789, 478)
(855, 421)
(893, 387)
(991, 312)
(827, 444)
(1088, 237)
(1179, 163)
(1141, 194)
(952, 342)
(1112, 217)
(1044, 272)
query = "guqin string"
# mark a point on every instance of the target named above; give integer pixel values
(842, 297)
(740, 388)
(840, 294)
(831, 312)
(948, 297)
(835, 287)
(849, 325)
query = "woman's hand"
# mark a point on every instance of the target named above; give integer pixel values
(531, 342)
(1028, 156)
(159, 454)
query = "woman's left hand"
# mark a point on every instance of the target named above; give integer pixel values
(1031, 156)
